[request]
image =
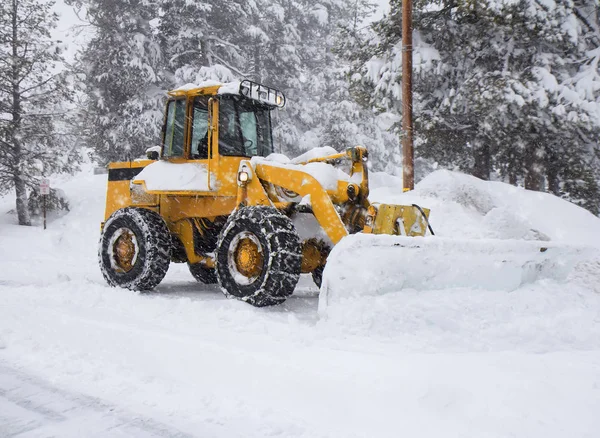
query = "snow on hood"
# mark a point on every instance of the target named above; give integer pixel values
(326, 174)
(165, 176)
(314, 153)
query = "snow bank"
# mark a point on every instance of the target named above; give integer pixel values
(165, 176)
(467, 207)
(539, 317)
(376, 265)
(486, 253)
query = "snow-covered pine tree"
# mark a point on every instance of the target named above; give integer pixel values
(33, 99)
(350, 117)
(375, 81)
(292, 48)
(123, 85)
(198, 41)
(277, 56)
(499, 88)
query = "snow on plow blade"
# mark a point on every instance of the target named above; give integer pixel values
(370, 265)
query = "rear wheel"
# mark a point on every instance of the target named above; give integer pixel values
(203, 274)
(258, 256)
(135, 249)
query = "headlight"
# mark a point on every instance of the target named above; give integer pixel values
(244, 175)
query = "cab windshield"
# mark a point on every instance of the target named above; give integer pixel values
(244, 127)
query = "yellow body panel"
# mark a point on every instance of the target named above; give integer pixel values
(118, 192)
(304, 184)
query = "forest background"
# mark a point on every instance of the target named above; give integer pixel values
(505, 90)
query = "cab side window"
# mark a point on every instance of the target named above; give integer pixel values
(248, 123)
(230, 134)
(175, 129)
(200, 129)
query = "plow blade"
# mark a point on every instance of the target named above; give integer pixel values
(370, 265)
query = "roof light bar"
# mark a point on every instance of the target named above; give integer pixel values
(262, 93)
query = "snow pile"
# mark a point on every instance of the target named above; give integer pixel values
(392, 285)
(463, 206)
(376, 265)
(165, 176)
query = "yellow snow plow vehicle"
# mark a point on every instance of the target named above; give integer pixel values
(214, 196)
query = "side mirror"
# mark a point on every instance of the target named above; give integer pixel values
(153, 153)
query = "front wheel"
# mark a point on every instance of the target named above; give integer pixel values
(135, 249)
(317, 276)
(258, 256)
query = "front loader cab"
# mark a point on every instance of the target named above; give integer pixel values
(208, 121)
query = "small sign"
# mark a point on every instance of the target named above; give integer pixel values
(45, 187)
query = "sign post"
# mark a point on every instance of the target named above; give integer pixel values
(44, 191)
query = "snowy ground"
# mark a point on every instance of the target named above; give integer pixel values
(80, 359)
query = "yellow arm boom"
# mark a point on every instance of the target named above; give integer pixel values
(304, 184)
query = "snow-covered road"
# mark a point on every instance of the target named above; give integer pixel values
(31, 407)
(213, 367)
(78, 358)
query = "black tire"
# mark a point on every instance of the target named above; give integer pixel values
(281, 256)
(317, 276)
(153, 249)
(203, 274)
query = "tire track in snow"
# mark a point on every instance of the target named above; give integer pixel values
(32, 407)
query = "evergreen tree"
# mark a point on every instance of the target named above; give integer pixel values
(351, 118)
(197, 40)
(501, 87)
(123, 85)
(294, 50)
(33, 98)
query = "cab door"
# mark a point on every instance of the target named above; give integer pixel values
(175, 130)
(203, 135)
(186, 140)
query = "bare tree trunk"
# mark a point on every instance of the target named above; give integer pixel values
(22, 210)
(205, 53)
(534, 176)
(257, 61)
(20, 186)
(512, 175)
(552, 169)
(483, 161)
(512, 169)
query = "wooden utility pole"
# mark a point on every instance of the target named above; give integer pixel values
(408, 153)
